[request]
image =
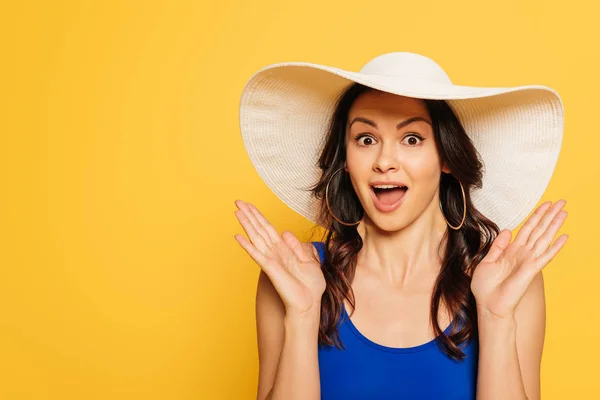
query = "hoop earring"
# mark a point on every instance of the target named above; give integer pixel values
(329, 206)
(464, 210)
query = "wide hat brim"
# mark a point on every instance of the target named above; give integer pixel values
(285, 110)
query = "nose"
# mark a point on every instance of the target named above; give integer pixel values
(387, 159)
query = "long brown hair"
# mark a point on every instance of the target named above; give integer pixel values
(464, 247)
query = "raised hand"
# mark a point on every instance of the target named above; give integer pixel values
(295, 273)
(503, 276)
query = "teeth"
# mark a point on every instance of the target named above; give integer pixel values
(386, 186)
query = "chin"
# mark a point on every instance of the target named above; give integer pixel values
(387, 223)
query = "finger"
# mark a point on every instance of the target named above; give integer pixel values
(275, 240)
(278, 276)
(547, 219)
(253, 235)
(286, 254)
(296, 245)
(244, 207)
(498, 246)
(525, 275)
(271, 231)
(525, 231)
(549, 254)
(544, 241)
(251, 250)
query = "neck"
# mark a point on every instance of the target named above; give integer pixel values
(408, 256)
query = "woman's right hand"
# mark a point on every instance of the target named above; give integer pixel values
(295, 273)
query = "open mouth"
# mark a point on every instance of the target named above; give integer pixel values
(389, 194)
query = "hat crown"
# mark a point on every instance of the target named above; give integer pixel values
(406, 65)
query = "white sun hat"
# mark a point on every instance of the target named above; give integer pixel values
(285, 110)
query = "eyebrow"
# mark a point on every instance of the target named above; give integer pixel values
(400, 125)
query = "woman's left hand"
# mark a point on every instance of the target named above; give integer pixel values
(503, 276)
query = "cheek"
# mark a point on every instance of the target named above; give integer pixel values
(359, 160)
(425, 169)
(360, 168)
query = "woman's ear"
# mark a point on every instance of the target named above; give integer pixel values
(345, 167)
(446, 169)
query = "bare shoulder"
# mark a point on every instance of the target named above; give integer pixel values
(270, 314)
(530, 316)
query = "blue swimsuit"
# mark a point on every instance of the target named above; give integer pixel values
(367, 370)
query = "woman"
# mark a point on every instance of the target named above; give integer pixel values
(415, 179)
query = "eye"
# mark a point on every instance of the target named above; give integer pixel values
(364, 140)
(414, 140)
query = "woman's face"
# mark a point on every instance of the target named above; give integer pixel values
(392, 158)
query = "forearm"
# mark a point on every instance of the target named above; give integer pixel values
(499, 373)
(297, 374)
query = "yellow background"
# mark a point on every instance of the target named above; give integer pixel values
(121, 159)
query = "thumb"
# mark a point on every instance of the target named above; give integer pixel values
(498, 246)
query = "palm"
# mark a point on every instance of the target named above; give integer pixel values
(503, 276)
(295, 273)
(302, 279)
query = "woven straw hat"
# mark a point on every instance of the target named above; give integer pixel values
(285, 110)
